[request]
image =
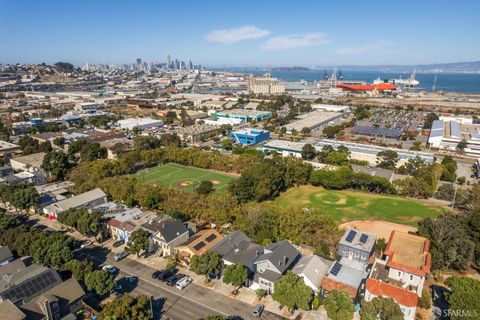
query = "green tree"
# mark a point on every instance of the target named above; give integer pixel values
(338, 305)
(462, 145)
(7, 222)
(93, 151)
(381, 308)
(235, 274)
(56, 164)
(291, 291)
(464, 297)
(138, 241)
(101, 281)
(79, 268)
(427, 124)
(305, 131)
(449, 169)
(207, 264)
(147, 143)
(260, 293)
(387, 159)
(308, 152)
(450, 244)
(127, 307)
(445, 192)
(205, 187)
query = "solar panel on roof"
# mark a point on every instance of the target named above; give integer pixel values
(351, 235)
(363, 238)
(199, 245)
(211, 237)
(336, 268)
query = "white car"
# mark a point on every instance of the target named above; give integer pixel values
(182, 283)
(110, 269)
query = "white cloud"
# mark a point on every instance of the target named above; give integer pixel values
(296, 41)
(229, 36)
(378, 47)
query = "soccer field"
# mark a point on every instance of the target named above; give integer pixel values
(182, 177)
(347, 205)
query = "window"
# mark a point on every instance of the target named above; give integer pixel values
(344, 252)
(411, 277)
(357, 255)
(364, 257)
(399, 273)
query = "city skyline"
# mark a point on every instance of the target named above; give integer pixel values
(235, 35)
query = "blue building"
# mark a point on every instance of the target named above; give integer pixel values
(249, 136)
(244, 115)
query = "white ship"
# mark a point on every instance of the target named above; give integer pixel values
(407, 82)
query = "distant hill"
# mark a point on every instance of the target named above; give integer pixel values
(455, 67)
(290, 69)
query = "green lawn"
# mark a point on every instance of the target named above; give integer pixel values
(348, 205)
(182, 177)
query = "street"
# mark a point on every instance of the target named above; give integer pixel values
(190, 303)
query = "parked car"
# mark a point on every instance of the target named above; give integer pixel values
(85, 244)
(118, 243)
(155, 274)
(120, 255)
(183, 283)
(111, 269)
(172, 280)
(165, 274)
(258, 310)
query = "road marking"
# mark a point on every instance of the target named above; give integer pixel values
(166, 289)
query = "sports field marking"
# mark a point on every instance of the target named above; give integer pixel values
(171, 175)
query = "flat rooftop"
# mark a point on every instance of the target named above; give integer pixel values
(244, 112)
(312, 119)
(374, 150)
(5, 145)
(250, 131)
(284, 145)
(33, 160)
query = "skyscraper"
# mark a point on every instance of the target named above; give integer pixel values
(169, 62)
(139, 61)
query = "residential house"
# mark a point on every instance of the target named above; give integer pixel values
(88, 200)
(120, 230)
(121, 221)
(400, 274)
(347, 276)
(237, 248)
(18, 286)
(313, 269)
(53, 192)
(6, 256)
(38, 292)
(278, 257)
(31, 163)
(10, 311)
(59, 302)
(356, 246)
(168, 235)
(6, 171)
(198, 244)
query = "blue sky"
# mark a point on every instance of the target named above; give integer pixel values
(240, 33)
